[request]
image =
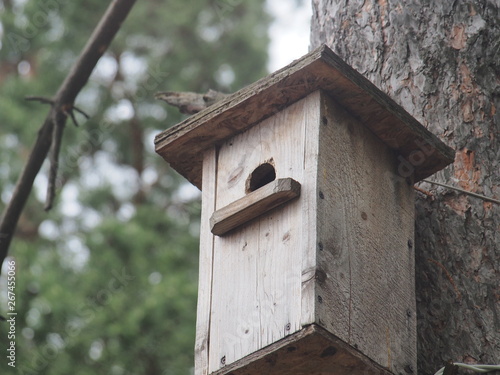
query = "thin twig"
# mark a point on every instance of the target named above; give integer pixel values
(58, 119)
(40, 99)
(80, 111)
(73, 118)
(480, 196)
(70, 112)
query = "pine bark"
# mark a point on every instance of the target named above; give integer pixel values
(440, 60)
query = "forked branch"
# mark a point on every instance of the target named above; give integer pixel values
(61, 107)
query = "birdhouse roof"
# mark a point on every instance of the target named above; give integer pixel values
(183, 145)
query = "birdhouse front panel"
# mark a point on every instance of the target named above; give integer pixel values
(258, 265)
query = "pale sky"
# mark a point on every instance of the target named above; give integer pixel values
(289, 32)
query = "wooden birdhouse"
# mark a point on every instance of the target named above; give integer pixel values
(306, 245)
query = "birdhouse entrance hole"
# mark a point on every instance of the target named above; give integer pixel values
(262, 175)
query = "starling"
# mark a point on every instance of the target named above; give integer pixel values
(190, 102)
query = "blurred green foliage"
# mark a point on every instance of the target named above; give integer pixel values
(106, 282)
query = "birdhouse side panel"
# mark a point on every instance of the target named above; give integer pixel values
(366, 292)
(258, 266)
(205, 264)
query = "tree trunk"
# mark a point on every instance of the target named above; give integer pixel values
(440, 59)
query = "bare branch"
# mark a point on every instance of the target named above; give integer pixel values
(69, 112)
(57, 129)
(472, 194)
(80, 111)
(77, 78)
(40, 99)
(72, 115)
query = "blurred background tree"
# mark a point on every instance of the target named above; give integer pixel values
(107, 280)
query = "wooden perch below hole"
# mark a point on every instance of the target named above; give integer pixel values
(254, 204)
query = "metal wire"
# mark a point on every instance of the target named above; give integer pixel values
(476, 368)
(483, 197)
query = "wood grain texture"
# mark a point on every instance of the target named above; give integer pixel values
(311, 351)
(205, 264)
(365, 272)
(183, 145)
(256, 203)
(336, 257)
(309, 199)
(257, 268)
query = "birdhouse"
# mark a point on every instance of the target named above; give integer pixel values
(307, 223)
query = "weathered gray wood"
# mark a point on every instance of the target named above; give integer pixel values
(183, 145)
(253, 205)
(309, 199)
(337, 257)
(365, 272)
(257, 268)
(311, 351)
(206, 258)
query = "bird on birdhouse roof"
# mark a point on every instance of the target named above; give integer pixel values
(190, 102)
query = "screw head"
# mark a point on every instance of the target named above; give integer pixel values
(288, 326)
(223, 361)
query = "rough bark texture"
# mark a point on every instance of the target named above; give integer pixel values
(441, 61)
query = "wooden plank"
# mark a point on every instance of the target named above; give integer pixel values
(337, 185)
(365, 220)
(311, 351)
(256, 294)
(256, 203)
(309, 198)
(201, 349)
(422, 152)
